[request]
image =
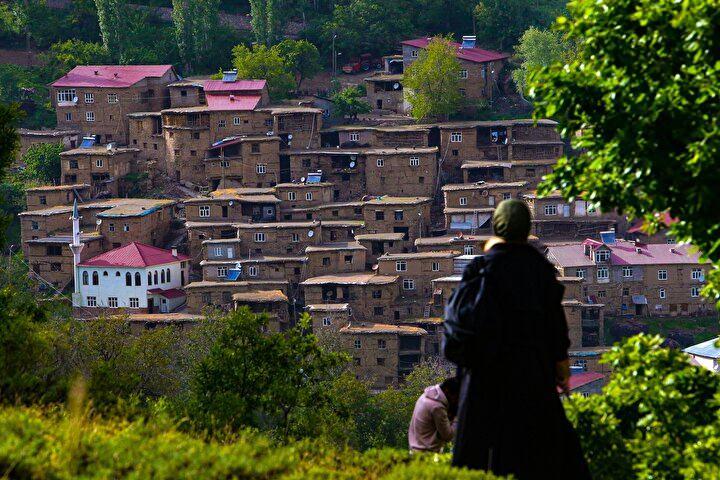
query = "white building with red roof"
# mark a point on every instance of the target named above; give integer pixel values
(135, 276)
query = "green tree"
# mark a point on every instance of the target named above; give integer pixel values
(639, 101)
(264, 63)
(265, 21)
(64, 56)
(301, 57)
(252, 378)
(500, 24)
(195, 22)
(432, 82)
(42, 163)
(9, 143)
(349, 102)
(539, 48)
(113, 21)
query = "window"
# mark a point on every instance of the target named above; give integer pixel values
(662, 275)
(260, 168)
(67, 95)
(253, 271)
(95, 278)
(222, 123)
(602, 273)
(408, 284)
(697, 274)
(236, 121)
(162, 276)
(126, 227)
(89, 98)
(183, 93)
(149, 278)
(414, 161)
(662, 293)
(601, 294)
(462, 91)
(463, 200)
(398, 215)
(260, 237)
(469, 250)
(155, 277)
(382, 344)
(377, 294)
(204, 210)
(56, 267)
(378, 311)
(308, 196)
(193, 153)
(99, 162)
(580, 273)
(134, 302)
(224, 164)
(354, 136)
(167, 275)
(349, 259)
(112, 97)
(625, 291)
(456, 137)
(435, 266)
(463, 74)
(138, 280)
(380, 162)
(112, 302)
(381, 362)
(326, 321)
(219, 251)
(506, 196)
(530, 172)
(196, 135)
(602, 256)
(295, 237)
(401, 266)
(414, 53)
(379, 215)
(206, 298)
(550, 209)
(694, 292)
(357, 343)
(89, 116)
(421, 179)
(222, 272)
(68, 117)
(34, 225)
(357, 361)
(326, 261)
(91, 301)
(291, 196)
(85, 278)
(128, 279)
(627, 272)
(111, 227)
(53, 250)
(73, 164)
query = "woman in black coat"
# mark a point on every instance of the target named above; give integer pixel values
(513, 355)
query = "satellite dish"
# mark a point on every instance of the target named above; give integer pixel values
(270, 133)
(75, 99)
(352, 164)
(109, 147)
(290, 136)
(98, 222)
(302, 179)
(238, 266)
(231, 203)
(484, 193)
(311, 234)
(396, 85)
(353, 157)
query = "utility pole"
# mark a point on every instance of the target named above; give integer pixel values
(334, 59)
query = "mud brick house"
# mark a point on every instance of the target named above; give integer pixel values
(370, 296)
(257, 267)
(272, 303)
(341, 230)
(187, 93)
(383, 354)
(101, 167)
(378, 244)
(135, 277)
(41, 197)
(385, 136)
(51, 261)
(337, 257)
(467, 244)
(401, 171)
(443, 288)
(588, 359)
(326, 211)
(297, 126)
(344, 169)
(407, 215)
(68, 138)
(95, 99)
(434, 328)
(633, 278)
(146, 134)
(233, 205)
(211, 295)
(329, 316)
(469, 206)
(556, 219)
(586, 321)
(417, 270)
(304, 195)
(251, 161)
(385, 92)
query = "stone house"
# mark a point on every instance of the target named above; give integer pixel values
(233, 205)
(68, 138)
(632, 278)
(383, 354)
(378, 244)
(101, 167)
(41, 197)
(95, 99)
(344, 169)
(250, 161)
(370, 296)
(337, 257)
(51, 261)
(408, 172)
(187, 93)
(145, 133)
(218, 295)
(407, 215)
(467, 244)
(329, 316)
(385, 92)
(384, 136)
(272, 303)
(326, 211)
(470, 206)
(304, 195)
(586, 320)
(417, 270)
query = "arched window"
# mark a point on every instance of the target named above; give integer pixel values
(162, 276)
(96, 278)
(86, 278)
(128, 279)
(167, 275)
(155, 277)
(138, 279)
(149, 278)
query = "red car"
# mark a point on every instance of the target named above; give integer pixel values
(363, 63)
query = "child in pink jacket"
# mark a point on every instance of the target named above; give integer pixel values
(431, 425)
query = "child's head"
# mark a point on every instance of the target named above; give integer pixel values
(451, 389)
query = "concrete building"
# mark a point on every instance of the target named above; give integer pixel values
(705, 355)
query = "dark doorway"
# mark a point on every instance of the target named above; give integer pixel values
(379, 104)
(284, 168)
(151, 305)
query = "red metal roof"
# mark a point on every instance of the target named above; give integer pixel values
(169, 293)
(134, 254)
(639, 225)
(580, 379)
(232, 102)
(477, 55)
(623, 252)
(237, 86)
(109, 76)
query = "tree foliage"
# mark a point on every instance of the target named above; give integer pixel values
(301, 57)
(501, 23)
(265, 21)
(113, 21)
(264, 63)
(349, 102)
(539, 48)
(42, 163)
(640, 101)
(195, 22)
(432, 82)
(64, 56)
(9, 143)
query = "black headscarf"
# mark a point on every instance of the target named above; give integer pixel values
(511, 221)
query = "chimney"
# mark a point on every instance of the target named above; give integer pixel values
(174, 252)
(232, 98)
(97, 73)
(115, 75)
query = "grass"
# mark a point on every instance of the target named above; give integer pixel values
(701, 328)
